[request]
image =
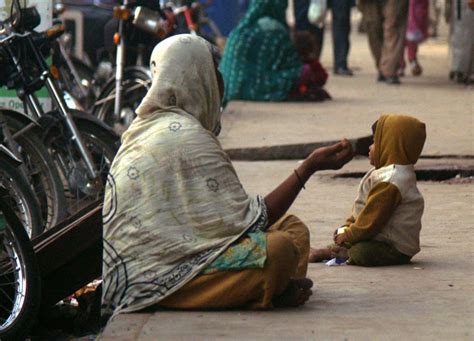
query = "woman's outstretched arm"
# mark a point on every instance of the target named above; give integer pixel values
(280, 199)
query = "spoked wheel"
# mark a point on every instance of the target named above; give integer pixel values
(20, 291)
(102, 145)
(136, 83)
(16, 193)
(42, 175)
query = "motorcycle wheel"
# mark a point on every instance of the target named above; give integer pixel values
(101, 144)
(42, 175)
(16, 193)
(20, 285)
(136, 83)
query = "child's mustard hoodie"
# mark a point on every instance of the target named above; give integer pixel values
(389, 207)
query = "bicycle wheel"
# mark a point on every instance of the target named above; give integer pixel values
(20, 285)
(42, 174)
(136, 83)
(101, 144)
(19, 197)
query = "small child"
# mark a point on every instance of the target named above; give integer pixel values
(384, 228)
(313, 77)
(417, 32)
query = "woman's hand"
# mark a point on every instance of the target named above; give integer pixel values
(331, 157)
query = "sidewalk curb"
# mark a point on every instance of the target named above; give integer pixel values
(296, 151)
(299, 151)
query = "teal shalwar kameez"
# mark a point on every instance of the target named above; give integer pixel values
(260, 62)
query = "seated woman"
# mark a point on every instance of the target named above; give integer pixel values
(179, 229)
(260, 62)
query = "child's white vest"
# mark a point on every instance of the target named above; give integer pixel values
(403, 229)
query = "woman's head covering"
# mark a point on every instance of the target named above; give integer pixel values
(184, 80)
(173, 202)
(260, 62)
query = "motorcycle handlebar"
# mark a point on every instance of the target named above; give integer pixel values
(50, 34)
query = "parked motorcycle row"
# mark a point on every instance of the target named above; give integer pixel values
(118, 75)
(53, 163)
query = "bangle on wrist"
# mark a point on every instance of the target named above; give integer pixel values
(300, 180)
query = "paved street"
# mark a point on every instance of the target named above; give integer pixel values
(447, 108)
(430, 299)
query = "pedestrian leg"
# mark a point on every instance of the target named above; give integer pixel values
(341, 28)
(372, 13)
(395, 13)
(415, 66)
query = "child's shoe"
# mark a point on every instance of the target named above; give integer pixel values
(416, 69)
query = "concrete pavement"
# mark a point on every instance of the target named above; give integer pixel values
(447, 108)
(430, 299)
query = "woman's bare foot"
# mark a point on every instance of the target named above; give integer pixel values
(318, 255)
(296, 293)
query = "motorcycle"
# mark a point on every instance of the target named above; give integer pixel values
(36, 167)
(122, 94)
(17, 194)
(191, 17)
(77, 79)
(20, 282)
(119, 98)
(82, 147)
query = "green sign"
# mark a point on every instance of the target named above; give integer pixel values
(8, 98)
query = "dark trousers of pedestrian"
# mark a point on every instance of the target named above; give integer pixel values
(386, 22)
(302, 23)
(341, 29)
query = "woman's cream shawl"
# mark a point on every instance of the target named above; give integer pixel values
(173, 202)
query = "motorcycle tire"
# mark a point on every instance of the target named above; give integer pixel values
(17, 193)
(20, 282)
(43, 175)
(101, 143)
(136, 83)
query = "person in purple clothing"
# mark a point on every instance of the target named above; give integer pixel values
(417, 32)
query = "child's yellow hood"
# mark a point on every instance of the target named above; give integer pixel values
(398, 140)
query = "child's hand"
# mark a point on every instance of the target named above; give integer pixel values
(331, 157)
(340, 238)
